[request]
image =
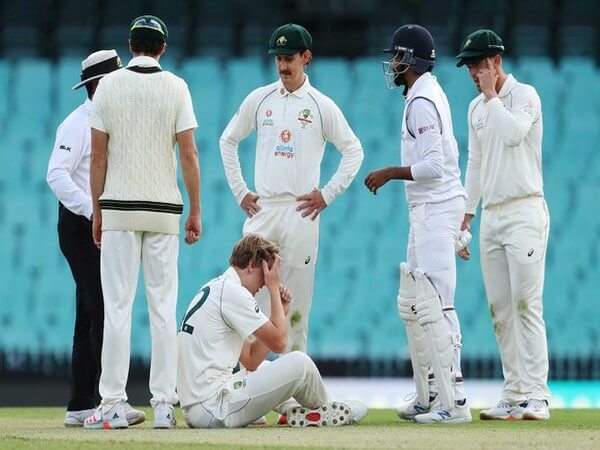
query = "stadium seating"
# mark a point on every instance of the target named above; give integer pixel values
(363, 237)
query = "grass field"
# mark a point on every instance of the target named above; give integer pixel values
(573, 429)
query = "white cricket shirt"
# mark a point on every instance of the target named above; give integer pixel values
(292, 129)
(211, 336)
(69, 167)
(505, 146)
(428, 144)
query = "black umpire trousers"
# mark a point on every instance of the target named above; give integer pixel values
(76, 243)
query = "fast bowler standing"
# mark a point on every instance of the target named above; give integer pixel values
(293, 121)
(138, 115)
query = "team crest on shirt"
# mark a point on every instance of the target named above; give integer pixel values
(268, 121)
(285, 136)
(285, 149)
(479, 123)
(305, 117)
(239, 384)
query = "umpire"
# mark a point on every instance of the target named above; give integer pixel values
(68, 177)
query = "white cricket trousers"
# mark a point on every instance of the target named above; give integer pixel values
(122, 252)
(433, 229)
(298, 238)
(250, 395)
(513, 240)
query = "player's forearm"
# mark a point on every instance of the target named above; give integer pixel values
(97, 179)
(277, 314)
(190, 169)
(511, 127)
(250, 357)
(233, 169)
(257, 354)
(349, 166)
(399, 173)
(98, 166)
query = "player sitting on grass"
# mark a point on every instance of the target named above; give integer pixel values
(214, 336)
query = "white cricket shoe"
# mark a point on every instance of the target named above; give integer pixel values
(502, 410)
(109, 419)
(458, 414)
(359, 410)
(164, 416)
(536, 410)
(134, 416)
(411, 407)
(333, 414)
(76, 418)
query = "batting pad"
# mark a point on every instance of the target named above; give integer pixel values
(417, 342)
(437, 335)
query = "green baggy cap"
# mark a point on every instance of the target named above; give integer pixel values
(289, 39)
(478, 45)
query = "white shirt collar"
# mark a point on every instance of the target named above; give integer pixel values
(300, 92)
(233, 275)
(143, 61)
(509, 83)
(419, 81)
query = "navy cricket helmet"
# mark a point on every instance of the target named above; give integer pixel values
(412, 47)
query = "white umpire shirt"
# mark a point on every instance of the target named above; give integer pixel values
(292, 129)
(69, 167)
(211, 337)
(505, 146)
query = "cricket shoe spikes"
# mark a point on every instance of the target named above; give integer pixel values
(332, 414)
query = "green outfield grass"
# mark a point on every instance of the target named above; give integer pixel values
(573, 429)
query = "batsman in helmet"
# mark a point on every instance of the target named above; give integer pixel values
(436, 198)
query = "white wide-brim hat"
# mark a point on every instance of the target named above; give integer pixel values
(97, 65)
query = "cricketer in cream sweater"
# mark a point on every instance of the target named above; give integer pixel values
(293, 121)
(142, 113)
(505, 170)
(137, 116)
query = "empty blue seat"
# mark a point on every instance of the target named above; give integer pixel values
(363, 237)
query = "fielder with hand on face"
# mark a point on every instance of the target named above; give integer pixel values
(436, 201)
(293, 121)
(214, 336)
(505, 171)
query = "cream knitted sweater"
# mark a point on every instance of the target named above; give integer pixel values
(141, 113)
